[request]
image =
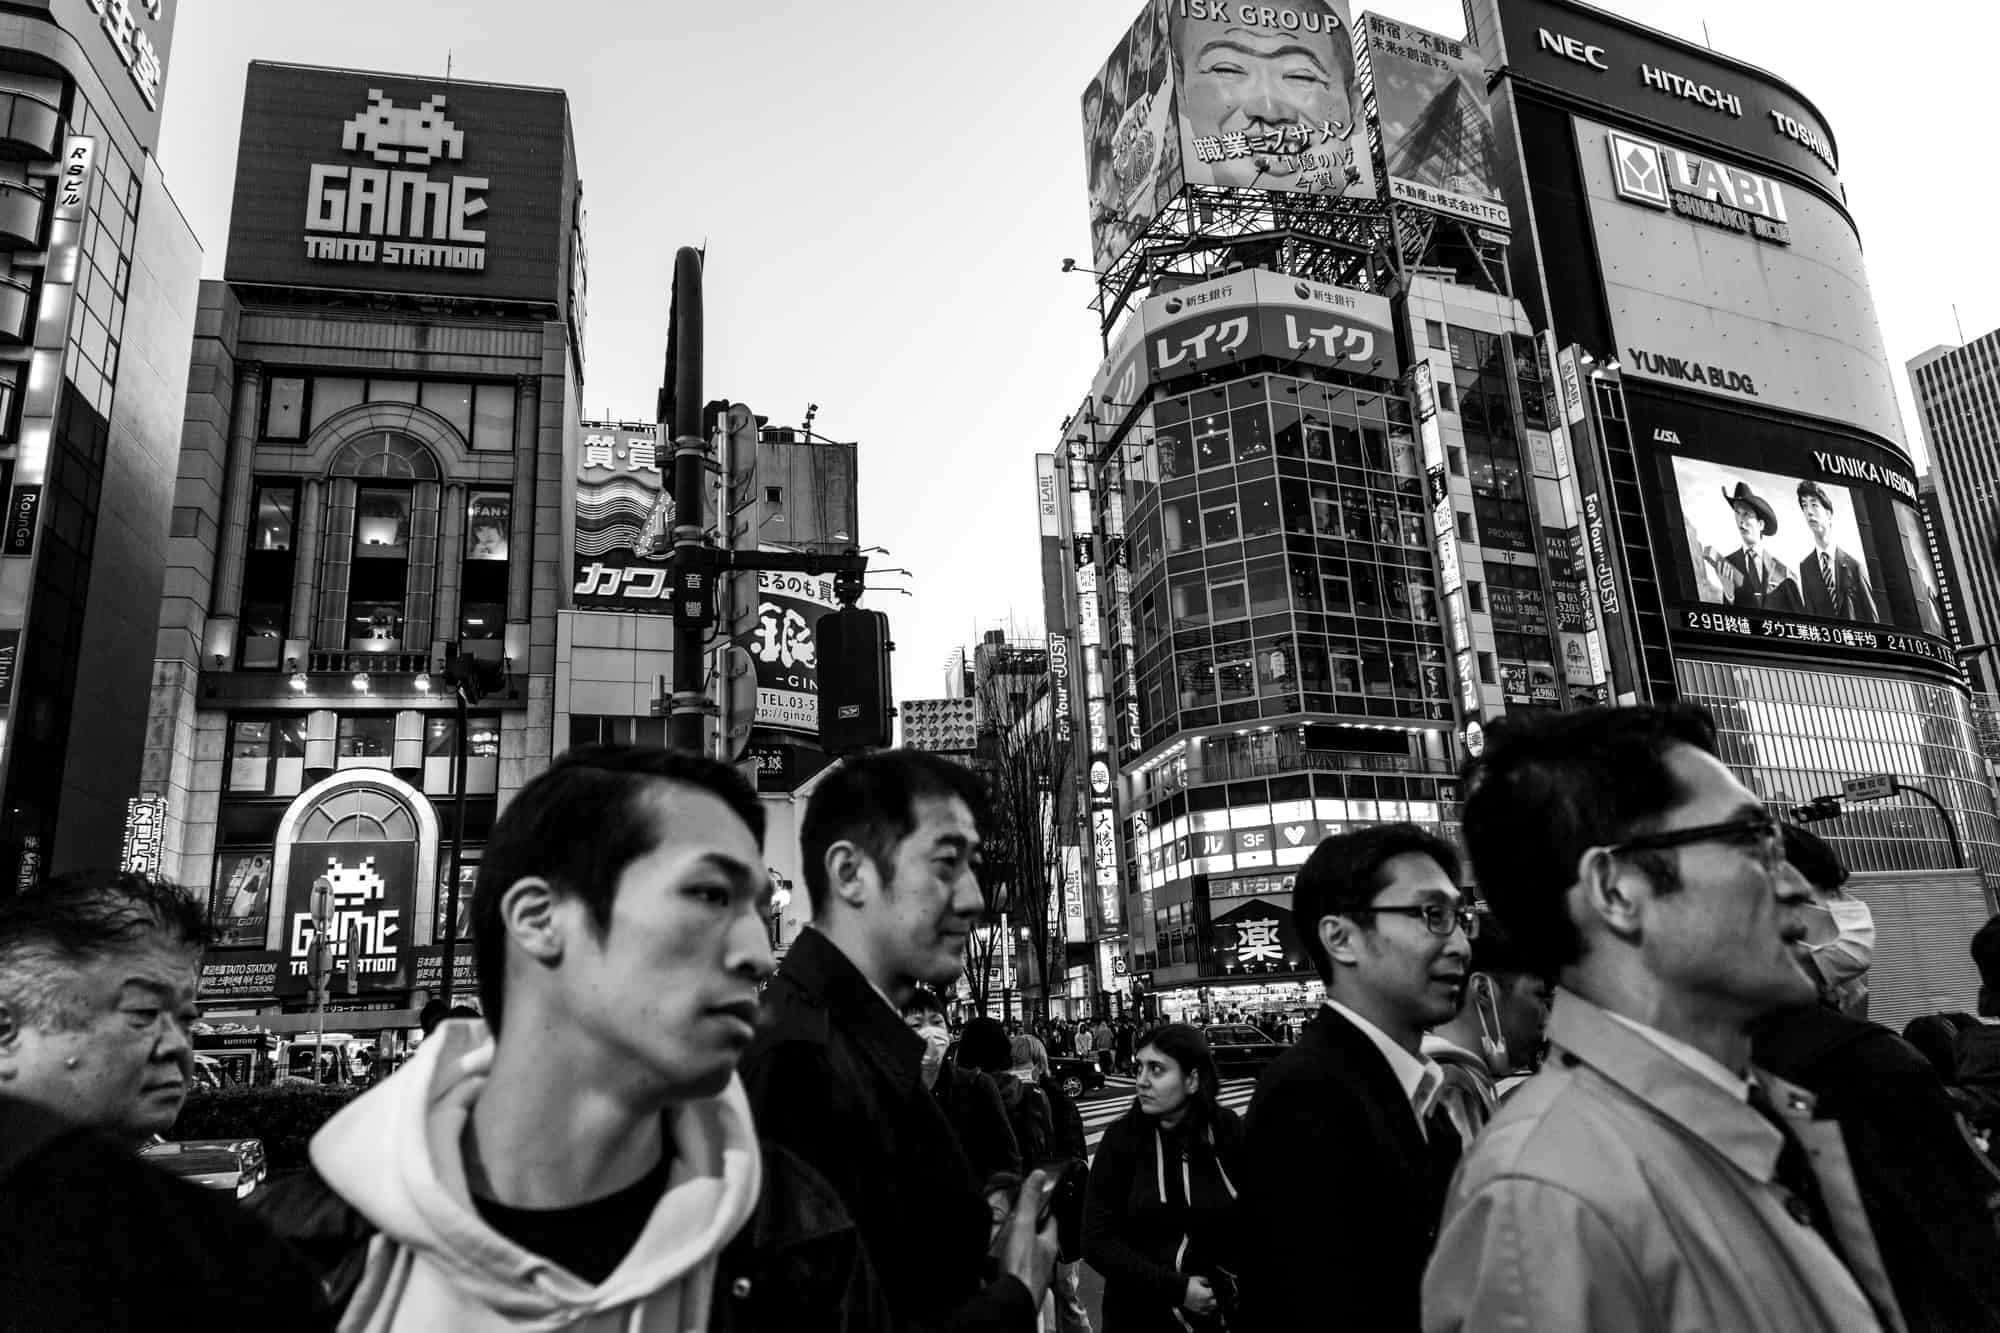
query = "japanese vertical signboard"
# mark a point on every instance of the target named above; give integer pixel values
(145, 826)
(781, 643)
(624, 521)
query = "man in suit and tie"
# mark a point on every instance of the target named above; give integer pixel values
(1348, 1155)
(1762, 581)
(1834, 583)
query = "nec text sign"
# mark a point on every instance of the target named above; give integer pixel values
(1593, 55)
(372, 182)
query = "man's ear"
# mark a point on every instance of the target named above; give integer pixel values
(849, 873)
(1610, 891)
(528, 915)
(1337, 937)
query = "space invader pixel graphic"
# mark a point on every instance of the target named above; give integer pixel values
(405, 136)
(355, 886)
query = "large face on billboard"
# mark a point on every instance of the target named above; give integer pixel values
(1722, 279)
(369, 182)
(1266, 96)
(1130, 148)
(1779, 533)
(1437, 130)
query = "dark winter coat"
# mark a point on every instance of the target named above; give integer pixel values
(1931, 1195)
(835, 1076)
(971, 1103)
(1161, 1208)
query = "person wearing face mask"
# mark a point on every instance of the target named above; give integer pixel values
(1927, 1190)
(1161, 1222)
(1496, 1039)
(970, 1099)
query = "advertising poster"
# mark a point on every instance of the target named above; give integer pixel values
(624, 521)
(239, 906)
(1437, 130)
(1130, 147)
(374, 888)
(1216, 324)
(488, 517)
(430, 971)
(1777, 532)
(781, 642)
(1266, 98)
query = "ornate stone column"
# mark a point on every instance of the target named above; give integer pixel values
(305, 560)
(521, 533)
(233, 541)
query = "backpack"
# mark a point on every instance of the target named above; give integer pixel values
(1030, 1116)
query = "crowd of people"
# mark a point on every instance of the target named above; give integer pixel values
(1625, 1084)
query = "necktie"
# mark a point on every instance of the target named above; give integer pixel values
(1795, 1176)
(1826, 571)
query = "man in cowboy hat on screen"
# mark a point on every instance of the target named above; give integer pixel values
(1832, 579)
(1762, 581)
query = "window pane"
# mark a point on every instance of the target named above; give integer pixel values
(451, 401)
(1260, 507)
(263, 635)
(1219, 525)
(1176, 452)
(334, 394)
(369, 737)
(484, 620)
(482, 737)
(1252, 429)
(375, 626)
(284, 407)
(1229, 600)
(250, 756)
(438, 736)
(493, 416)
(382, 525)
(392, 391)
(585, 730)
(274, 518)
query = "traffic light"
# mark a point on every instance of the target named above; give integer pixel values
(853, 650)
(1818, 808)
(477, 676)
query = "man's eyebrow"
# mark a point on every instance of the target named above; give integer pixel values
(958, 842)
(1289, 49)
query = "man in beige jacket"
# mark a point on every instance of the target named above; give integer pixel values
(1648, 1179)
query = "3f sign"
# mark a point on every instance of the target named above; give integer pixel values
(1569, 48)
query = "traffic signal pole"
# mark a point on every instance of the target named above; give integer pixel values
(680, 419)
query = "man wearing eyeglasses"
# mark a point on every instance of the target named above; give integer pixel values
(1348, 1153)
(1649, 1177)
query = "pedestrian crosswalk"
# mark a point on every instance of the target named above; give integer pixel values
(1100, 1113)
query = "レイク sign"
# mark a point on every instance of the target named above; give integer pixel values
(394, 212)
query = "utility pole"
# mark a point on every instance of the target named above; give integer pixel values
(471, 680)
(693, 574)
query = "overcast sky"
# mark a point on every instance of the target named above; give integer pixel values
(887, 192)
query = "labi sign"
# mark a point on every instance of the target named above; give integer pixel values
(1716, 194)
(392, 210)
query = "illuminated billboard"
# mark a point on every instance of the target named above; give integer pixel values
(373, 886)
(1782, 535)
(1199, 92)
(781, 643)
(624, 520)
(1438, 146)
(1722, 279)
(356, 181)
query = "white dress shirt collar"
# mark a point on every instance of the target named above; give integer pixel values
(1419, 1078)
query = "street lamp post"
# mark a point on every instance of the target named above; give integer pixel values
(1876, 787)
(471, 680)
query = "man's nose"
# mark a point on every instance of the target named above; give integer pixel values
(967, 898)
(750, 947)
(175, 1044)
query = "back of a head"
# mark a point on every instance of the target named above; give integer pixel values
(985, 1046)
(1986, 957)
(1345, 872)
(1495, 953)
(1028, 1052)
(871, 801)
(578, 825)
(1812, 857)
(1547, 788)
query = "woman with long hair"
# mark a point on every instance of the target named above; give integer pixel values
(1160, 1220)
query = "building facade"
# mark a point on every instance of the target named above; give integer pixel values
(96, 311)
(1958, 409)
(1729, 405)
(377, 430)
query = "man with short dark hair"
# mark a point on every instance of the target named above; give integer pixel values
(1496, 1035)
(1930, 1194)
(891, 845)
(585, 1157)
(1832, 580)
(1652, 885)
(1347, 1156)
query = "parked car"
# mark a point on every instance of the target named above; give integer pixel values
(236, 1165)
(1241, 1051)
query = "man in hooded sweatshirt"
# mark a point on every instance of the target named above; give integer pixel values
(585, 1157)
